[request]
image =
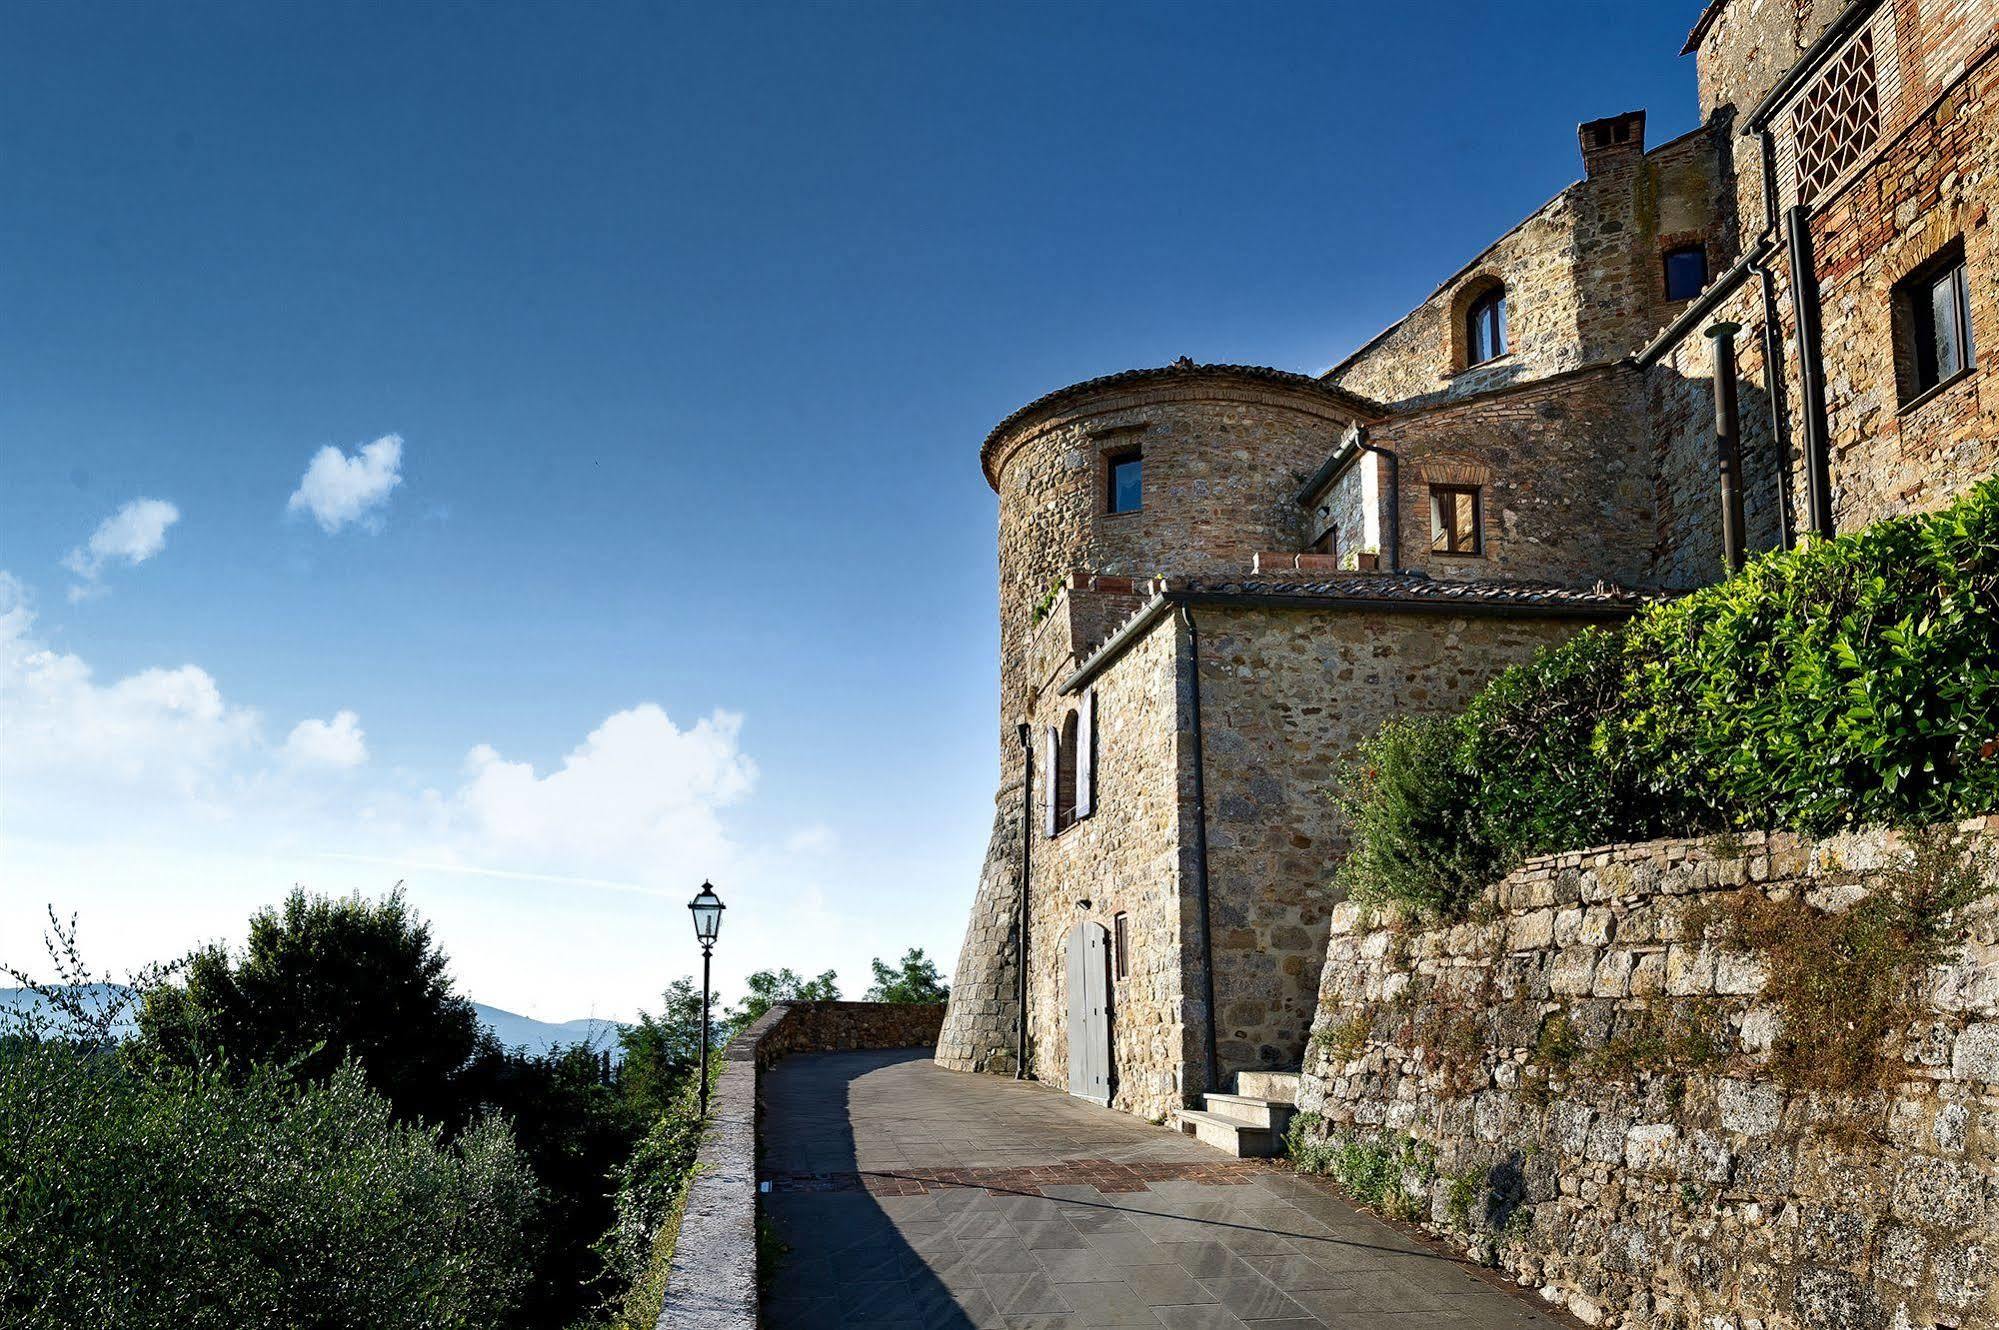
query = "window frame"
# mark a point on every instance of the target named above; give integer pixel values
(1477, 550)
(1918, 347)
(1121, 945)
(1488, 306)
(1113, 460)
(1067, 752)
(1666, 270)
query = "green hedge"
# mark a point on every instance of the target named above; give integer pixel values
(1851, 681)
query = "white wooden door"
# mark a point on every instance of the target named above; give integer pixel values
(1090, 1012)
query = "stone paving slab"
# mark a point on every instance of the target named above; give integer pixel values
(917, 1198)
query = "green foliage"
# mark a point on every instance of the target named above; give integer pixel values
(661, 1052)
(1410, 811)
(1388, 1172)
(190, 1199)
(323, 981)
(915, 979)
(651, 1190)
(1847, 983)
(328, 983)
(768, 988)
(1851, 681)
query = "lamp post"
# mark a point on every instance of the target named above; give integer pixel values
(707, 910)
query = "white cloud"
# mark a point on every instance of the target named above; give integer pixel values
(338, 489)
(165, 810)
(639, 792)
(132, 535)
(164, 729)
(335, 743)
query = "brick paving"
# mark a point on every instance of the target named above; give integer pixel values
(909, 1196)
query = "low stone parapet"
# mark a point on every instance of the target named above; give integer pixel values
(1601, 1079)
(713, 1280)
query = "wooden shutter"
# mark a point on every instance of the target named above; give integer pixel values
(1086, 755)
(1051, 753)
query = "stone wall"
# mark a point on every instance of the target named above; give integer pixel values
(1285, 697)
(712, 1282)
(842, 1027)
(1583, 276)
(978, 1032)
(1588, 1064)
(1125, 858)
(1223, 459)
(1679, 400)
(1564, 470)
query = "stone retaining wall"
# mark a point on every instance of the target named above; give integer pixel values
(1586, 1070)
(712, 1284)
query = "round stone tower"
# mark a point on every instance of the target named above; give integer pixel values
(1221, 452)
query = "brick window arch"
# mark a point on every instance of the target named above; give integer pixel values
(1479, 322)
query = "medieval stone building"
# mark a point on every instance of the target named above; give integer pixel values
(1216, 579)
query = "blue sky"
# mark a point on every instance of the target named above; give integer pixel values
(688, 321)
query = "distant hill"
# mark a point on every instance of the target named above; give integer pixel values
(539, 1036)
(510, 1028)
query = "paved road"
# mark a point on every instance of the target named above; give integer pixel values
(911, 1196)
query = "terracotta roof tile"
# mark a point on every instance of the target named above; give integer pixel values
(1180, 369)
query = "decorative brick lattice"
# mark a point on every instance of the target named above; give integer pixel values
(1838, 120)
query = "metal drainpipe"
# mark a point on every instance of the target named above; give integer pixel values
(1026, 857)
(1728, 442)
(1811, 372)
(1212, 1071)
(1780, 412)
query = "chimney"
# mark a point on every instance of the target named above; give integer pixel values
(1612, 141)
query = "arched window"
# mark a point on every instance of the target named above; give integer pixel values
(1485, 327)
(1069, 789)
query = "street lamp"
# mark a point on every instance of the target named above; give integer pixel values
(707, 909)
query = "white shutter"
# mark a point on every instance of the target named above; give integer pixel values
(1086, 754)
(1051, 750)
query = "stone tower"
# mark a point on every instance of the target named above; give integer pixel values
(1223, 451)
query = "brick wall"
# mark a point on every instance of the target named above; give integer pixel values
(1224, 457)
(1651, 1189)
(1564, 470)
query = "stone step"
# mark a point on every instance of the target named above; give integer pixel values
(1279, 1087)
(1229, 1135)
(1271, 1113)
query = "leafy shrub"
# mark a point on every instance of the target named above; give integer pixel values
(1410, 807)
(1851, 681)
(1385, 1172)
(190, 1199)
(651, 1190)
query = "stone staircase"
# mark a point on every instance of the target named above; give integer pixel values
(1249, 1123)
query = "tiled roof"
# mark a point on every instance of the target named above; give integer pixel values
(1416, 588)
(1180, 369)
(1412, 592)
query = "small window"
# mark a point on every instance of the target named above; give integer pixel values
(1933, 311)
(1127, 482)
(1454, 520)
(1686, 271)
(1485, 328)
(1328, 541)
(1121, 945)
